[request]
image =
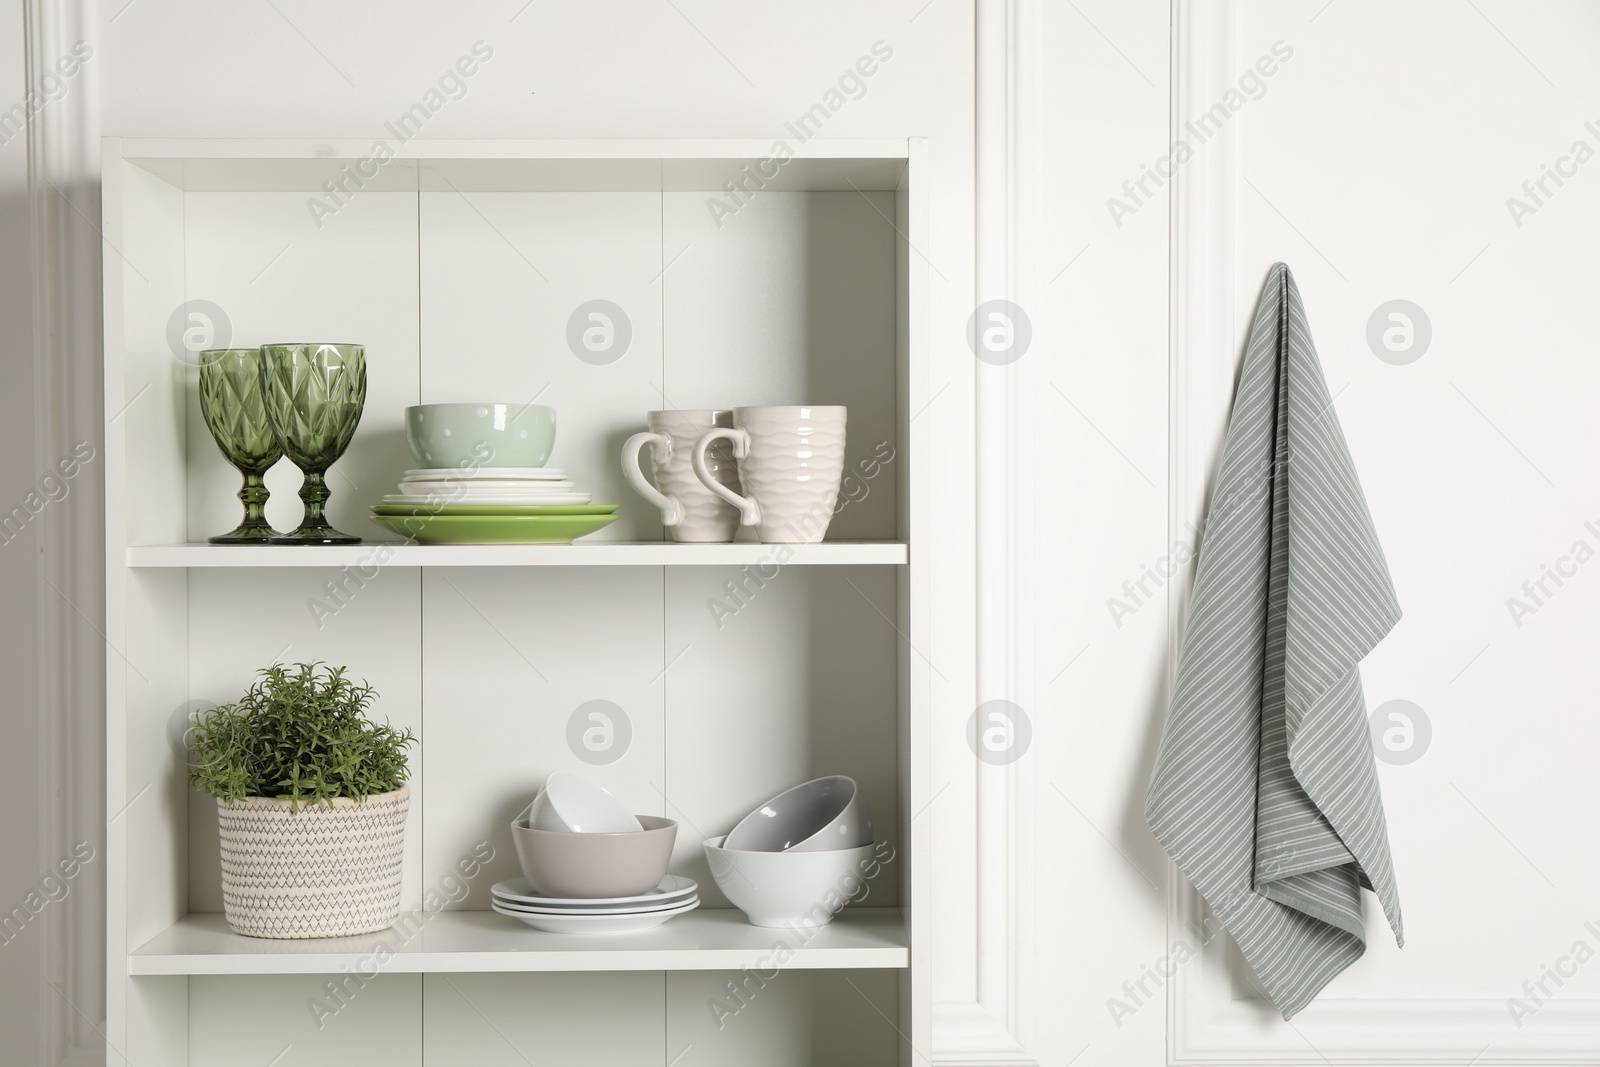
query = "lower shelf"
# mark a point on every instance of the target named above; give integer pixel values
(707, 939)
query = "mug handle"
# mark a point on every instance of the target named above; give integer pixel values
(671, 510)
(749, 510)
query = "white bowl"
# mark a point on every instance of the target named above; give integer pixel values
(541, 816)
(570, 802)
(786, 889)
(821, 815)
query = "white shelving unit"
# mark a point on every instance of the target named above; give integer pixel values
(736, 670)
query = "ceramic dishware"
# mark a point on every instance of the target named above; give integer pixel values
(450, 484)
(790, 461)
(313, 395)
(559, 863)
(671, 890)
(478, 474)
(640, 906)
(690, 511)
(573, 803)
(541, 815)
(452, 502)
(474, 435)
(597, 924)
(789, 888)
(491, 509)
(530, 505)
(815, 816)
(507, 907)
(232, 404)
(486, 486)
(549, 528)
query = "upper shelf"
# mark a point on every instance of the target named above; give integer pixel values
(372, 554)
(708, 939)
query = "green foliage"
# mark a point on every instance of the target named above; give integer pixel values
(299, 734)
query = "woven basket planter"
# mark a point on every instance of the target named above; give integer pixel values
(322, 872)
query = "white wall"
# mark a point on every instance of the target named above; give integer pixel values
(1100, 429)
(1377, 161)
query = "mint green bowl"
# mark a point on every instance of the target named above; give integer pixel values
(481, 435)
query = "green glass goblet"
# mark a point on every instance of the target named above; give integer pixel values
(235, 413)
(314, 394)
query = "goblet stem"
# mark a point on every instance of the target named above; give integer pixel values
(314, 528)
(254, 529)
(313, 493)
(254, 497)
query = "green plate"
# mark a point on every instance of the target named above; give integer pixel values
(494, 509)
(494, 529)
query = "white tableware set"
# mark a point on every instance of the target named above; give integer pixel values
(590, 866)
(453, 487)
(776, 468)
(794, 859)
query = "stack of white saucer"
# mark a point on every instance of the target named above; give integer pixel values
(522, 486)
(674, 896)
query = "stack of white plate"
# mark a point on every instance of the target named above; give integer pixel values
(532, 486)
(674, 896)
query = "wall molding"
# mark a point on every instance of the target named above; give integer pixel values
(995, 1026)
(63, 191)
(1202, 358)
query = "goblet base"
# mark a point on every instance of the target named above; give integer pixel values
(320, 534)
(246, 533)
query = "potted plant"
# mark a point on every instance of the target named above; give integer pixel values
(311, 804)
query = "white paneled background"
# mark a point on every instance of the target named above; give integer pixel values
(1476, 457)
(1101, 335)
(548, 253)
(1377, 161)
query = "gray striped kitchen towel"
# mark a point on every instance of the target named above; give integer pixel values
(1265, 793)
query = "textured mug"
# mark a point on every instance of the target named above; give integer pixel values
(790, 461)
(688, 509)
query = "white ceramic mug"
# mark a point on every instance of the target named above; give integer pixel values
(790, 461)
(688, 509)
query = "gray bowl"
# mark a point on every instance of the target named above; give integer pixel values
(564, 864)
(821, 815)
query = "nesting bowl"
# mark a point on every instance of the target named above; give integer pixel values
(571, 803)
(822, 815)
(560, 863)
(788, 889)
